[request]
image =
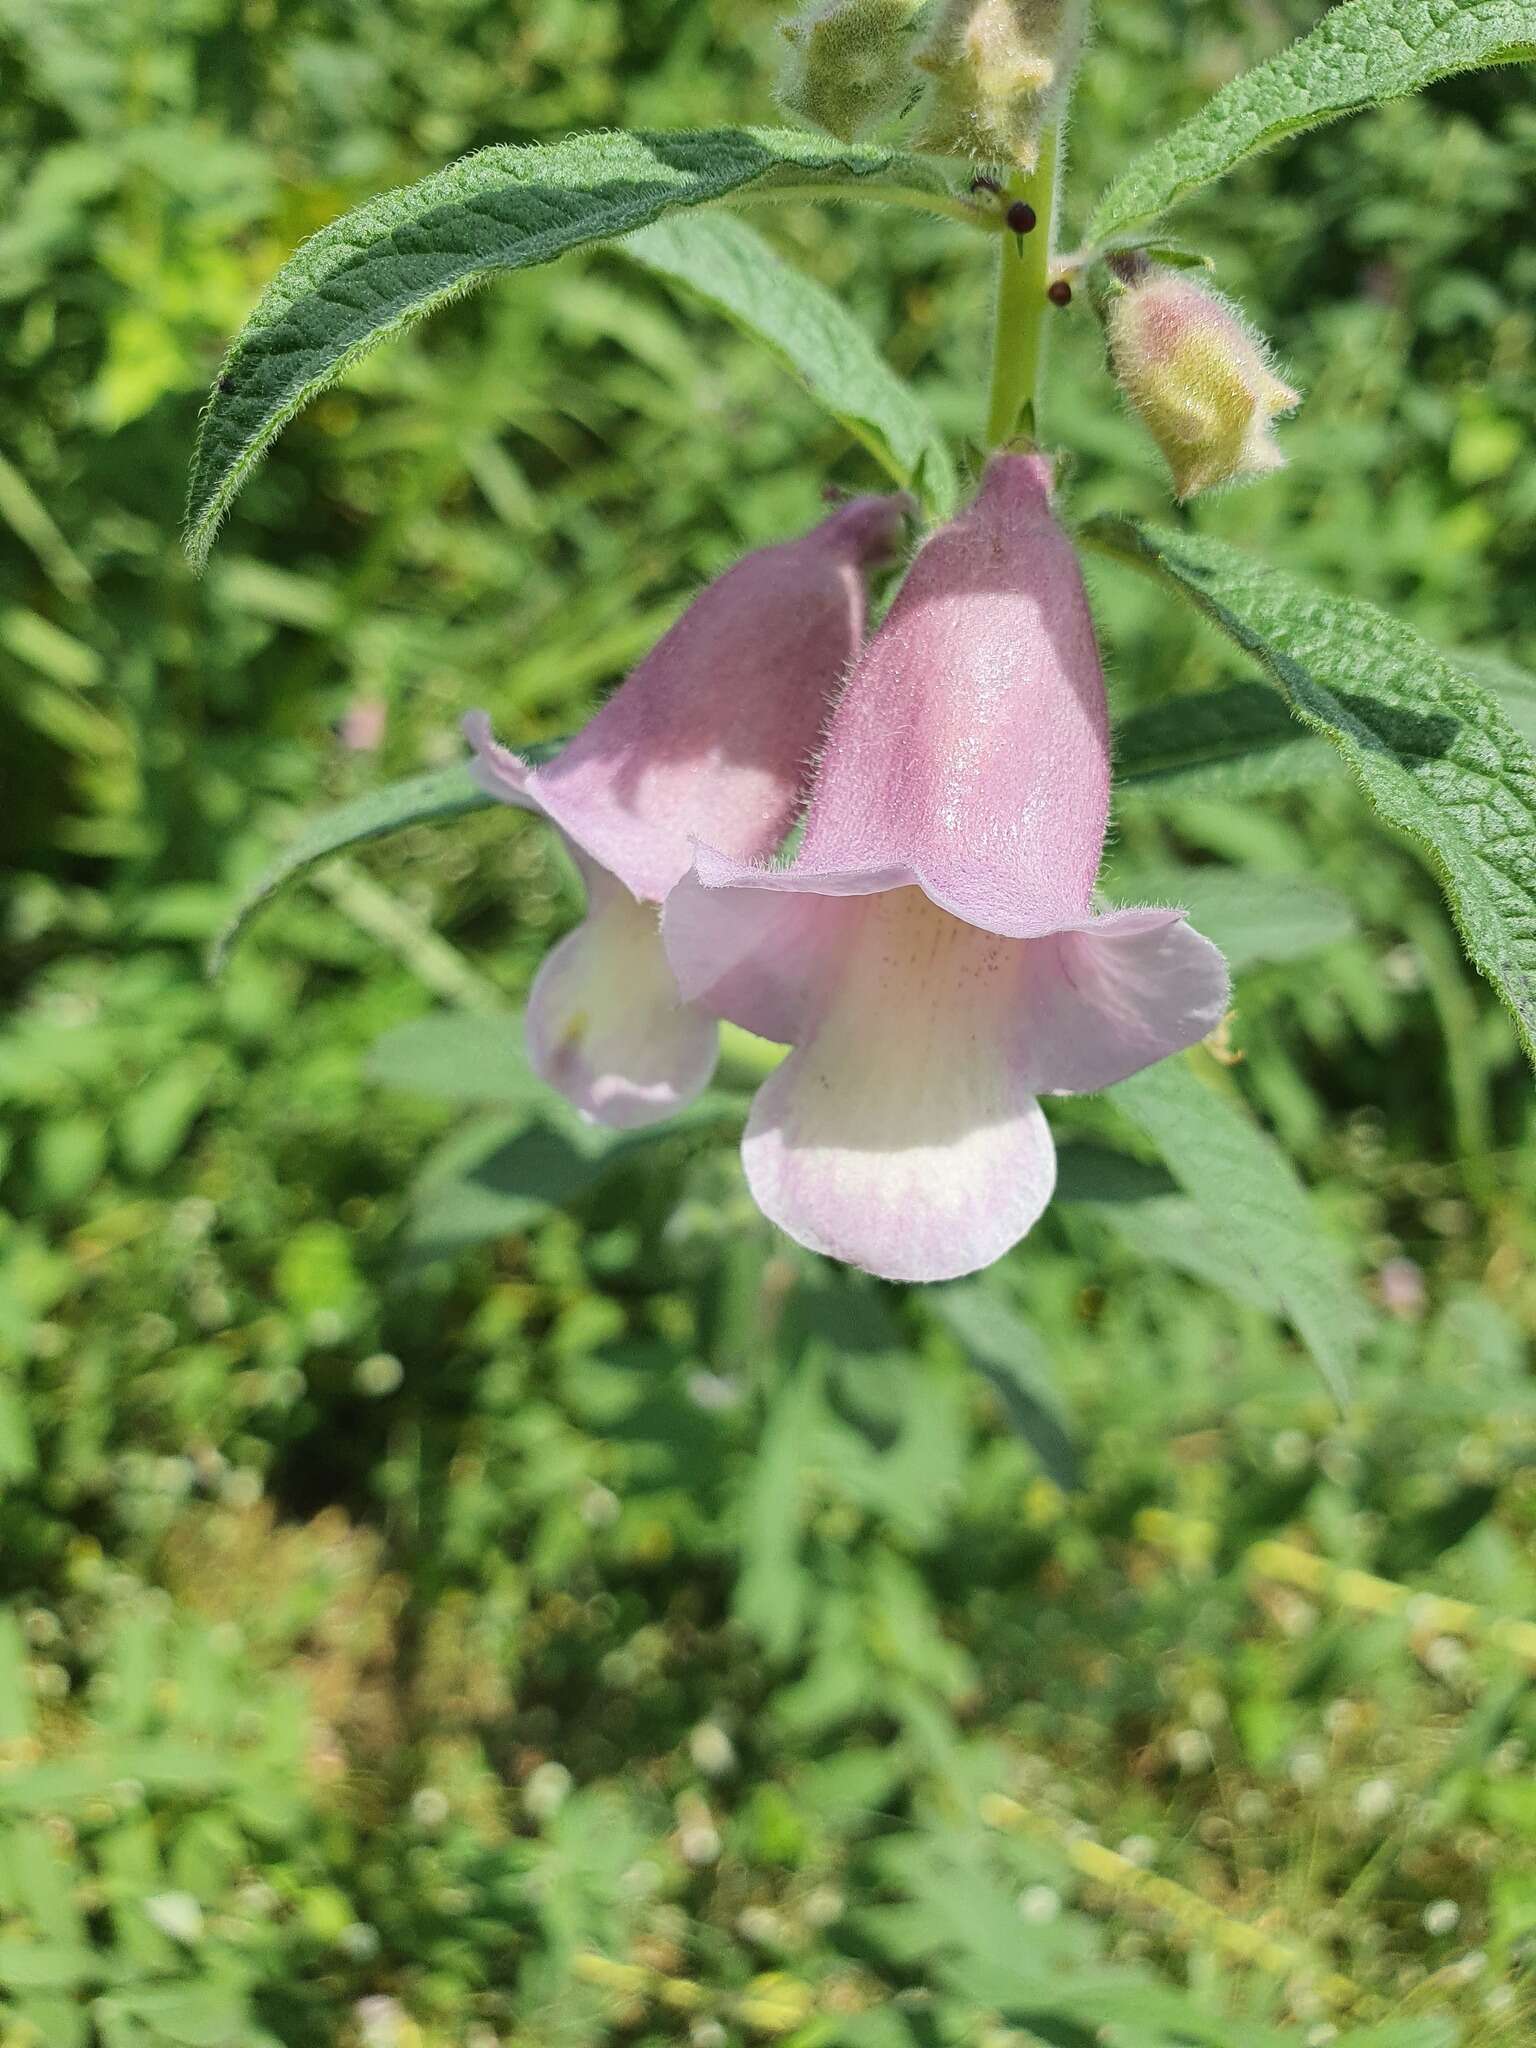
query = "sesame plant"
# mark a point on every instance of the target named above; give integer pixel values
(477, 1568)
(881, 849)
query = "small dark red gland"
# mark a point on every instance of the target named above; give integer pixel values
(1021, 217)
(1060, 293)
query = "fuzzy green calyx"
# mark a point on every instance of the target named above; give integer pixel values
(849, 64)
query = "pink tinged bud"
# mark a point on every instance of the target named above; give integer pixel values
(932, 955)
(1199, 379)
(710, 737)
(363, 725)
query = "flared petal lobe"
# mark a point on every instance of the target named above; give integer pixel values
(605, 1023)
(713, 735)
(1118, 994)
(903, 1133)
(971, 746)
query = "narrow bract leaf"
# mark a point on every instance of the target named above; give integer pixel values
(1434, 752)
(734, 270)
(495, 1178)
(1252, 1207)
(505, 208)
(1236, 743)
(1251, 917)
(1142, 1205)
(428, 799)
(1009, 1354)
(460, 1057)
(1361, 53)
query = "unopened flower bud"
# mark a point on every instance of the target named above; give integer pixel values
(849, 65)
(999, 69)
(1198, 376)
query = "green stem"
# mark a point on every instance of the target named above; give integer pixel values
(1023, 277)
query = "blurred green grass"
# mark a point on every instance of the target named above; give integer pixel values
(378, 1643)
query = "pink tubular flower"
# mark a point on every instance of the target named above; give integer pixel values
(709, 738)
(932, 955)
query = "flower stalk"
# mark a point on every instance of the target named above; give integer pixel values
(1023, 280)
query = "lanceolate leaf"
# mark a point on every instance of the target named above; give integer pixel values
(1251, 917)
(1242, 742)
(419, 800)
(1237, 743)
(1436, 755)
(1361, 53)
(1252, 1207)
(505, 208)
(732, 268)
(459, 1057)
(1009, 1353)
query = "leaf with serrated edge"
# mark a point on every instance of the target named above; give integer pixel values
(506, 208)
(1360, 53)
(428, 799)
(1252, 1206)
(734, 270)
(1436, 755)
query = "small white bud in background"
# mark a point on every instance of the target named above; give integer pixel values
(379, 1375)
(712, 1750)
(176, 1914)
(1039, 1905)
(1375, 1799)
(547, 1788)
(429, 1807)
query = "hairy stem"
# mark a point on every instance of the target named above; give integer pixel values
(1023, 277)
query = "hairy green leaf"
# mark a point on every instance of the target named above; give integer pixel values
(732, 268)
(1436, 755)
(428, 799)
(509, 207)
(1252, 1208)
(1360, 54)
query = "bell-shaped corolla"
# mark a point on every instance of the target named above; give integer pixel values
(710, 738)
(932, 954)
(849, 64)
(1197, 376)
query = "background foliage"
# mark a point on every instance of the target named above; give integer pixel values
(620, 1628)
